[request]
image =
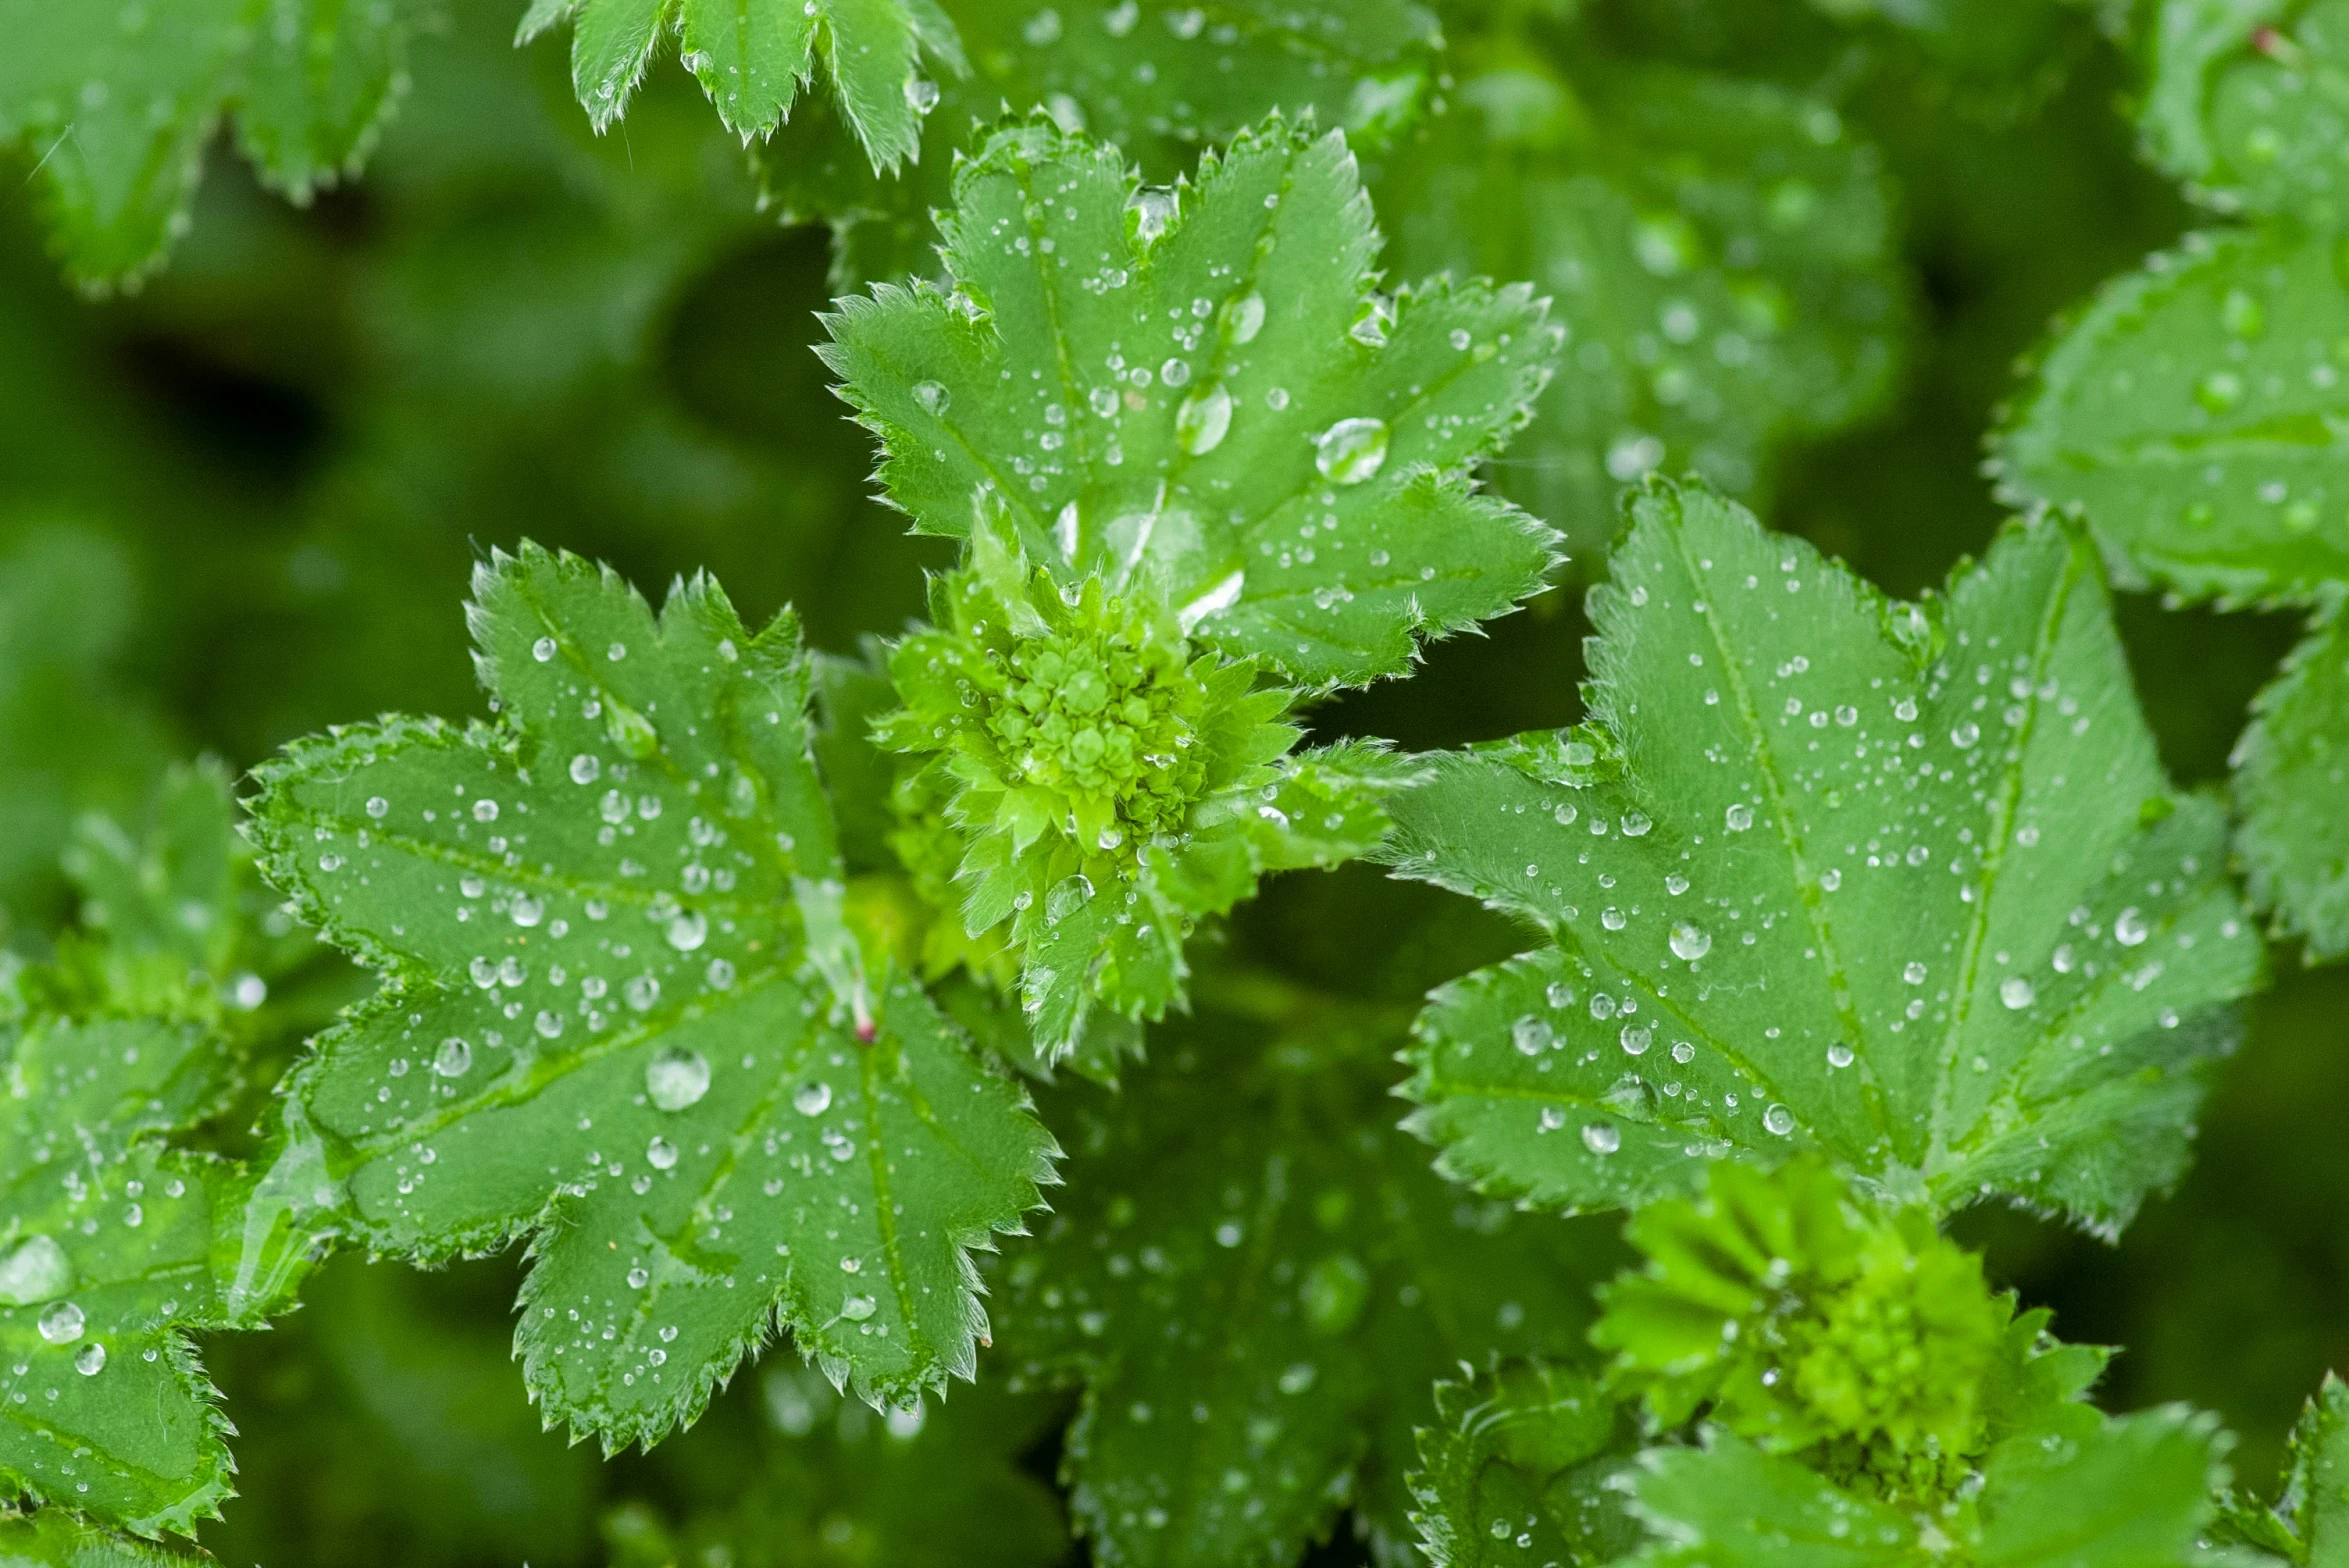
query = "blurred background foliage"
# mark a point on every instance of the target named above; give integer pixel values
(241, 503)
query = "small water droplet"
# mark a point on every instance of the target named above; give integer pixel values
(90, 1360)
(1532, 1035)
(1203, 420)
(378, 807)
(932, 396)
(1739, 817)
(454, 1058)
(2129, 928)
(586, 768)
(1601, 1137)
(1840, 1055)
(688, 930)
(61, 1324)
(1779, 1120)
(2016, 992)
(661, 1154)
(1690, 941)
(639, 1277)
(641, 992)
(543, 650)
(857, 1308)
(812, 1099)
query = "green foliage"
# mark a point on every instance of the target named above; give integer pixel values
(2189, 414)
(1866, 1344)
(1154, 77)
(119, 102)
(1095, 788)
(1900, 883)
(53, 1538)
(2309, 1521)
(1255, 1280)
(808, 1478)
(1538, 1452)
(107, 1271)
(586, 917)
(1718, 251)
(1209, 399)
(752, 57)
(2292, 769)
(2248, 102)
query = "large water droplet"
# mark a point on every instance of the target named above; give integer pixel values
(38, 1270)
(1203, 420)
(61, 1324)
(1690, 940)
(676, 1077)
(1243, 318)
(1351, 451)
(857, 1308)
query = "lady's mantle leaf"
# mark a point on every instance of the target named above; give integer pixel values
(2198, 415)
(1902, 883)
(1517, 1469)
(753, 56)
(1197, 386)
(54, 1538)
(1720, 251)
(2291, 778)
(623, 1015)
(1256, 1279)
(2309, 1521)
(108, 1263)
(2249, 104)
(117, 103)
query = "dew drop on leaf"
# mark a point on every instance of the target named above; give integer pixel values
(90, 1360)
(1601, 1137)
(1351, 451)
(37, 1270)
(1778, 1119)
(812, 1099)
(61, 1324)
(1690, 941)
(661, 1154)
(2129, 927)
(676, 1077)
(2016, 992)
(454, 1058)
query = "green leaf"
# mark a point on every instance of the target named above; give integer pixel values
(753, 56)
(1994, 60)
(104, 1274)
(2118, 1493)
(623, 1015)
(2291, 774)
(1256, 1280)
(1720, 253)
(1159, 78)
(1517, 1470)
(2309, 1521)
(1094, 790)
(2249, 104)
(53, 1538)
(1900, 883)
(118, 103)
(1200, 388)
(2195, 414)
(806, 1477)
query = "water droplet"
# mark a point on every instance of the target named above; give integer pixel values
(586, 768)
(1552, 1118)
(921, 94)
(454, 1058)
(1200, 424)
(1965, 735)
(525, 910)
(1175, 372)
(1243, 318)
(2016, 992)
(661, 1154)
(688, 930)
(1634, 824)
(378, 807)
(38, 1270)
(1779, 1120)
(61, 1324)
(2129, 927)
(676, 1077)
(1351, 451)
(1601, 1137)
(932, 396)
(1683, 1052)
(2219, 391)
(857, 1308)
(90, 1360)
(1532, 1035)
(543, 650)
(1914, 974)
(485, 811)
(1634, 1039)
(1739, 817)
(1690, 941)
(1561, 994)
(1613, 919)
(641, 992)
(812, 1099)
(639, 1277)
(1840, 1055)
